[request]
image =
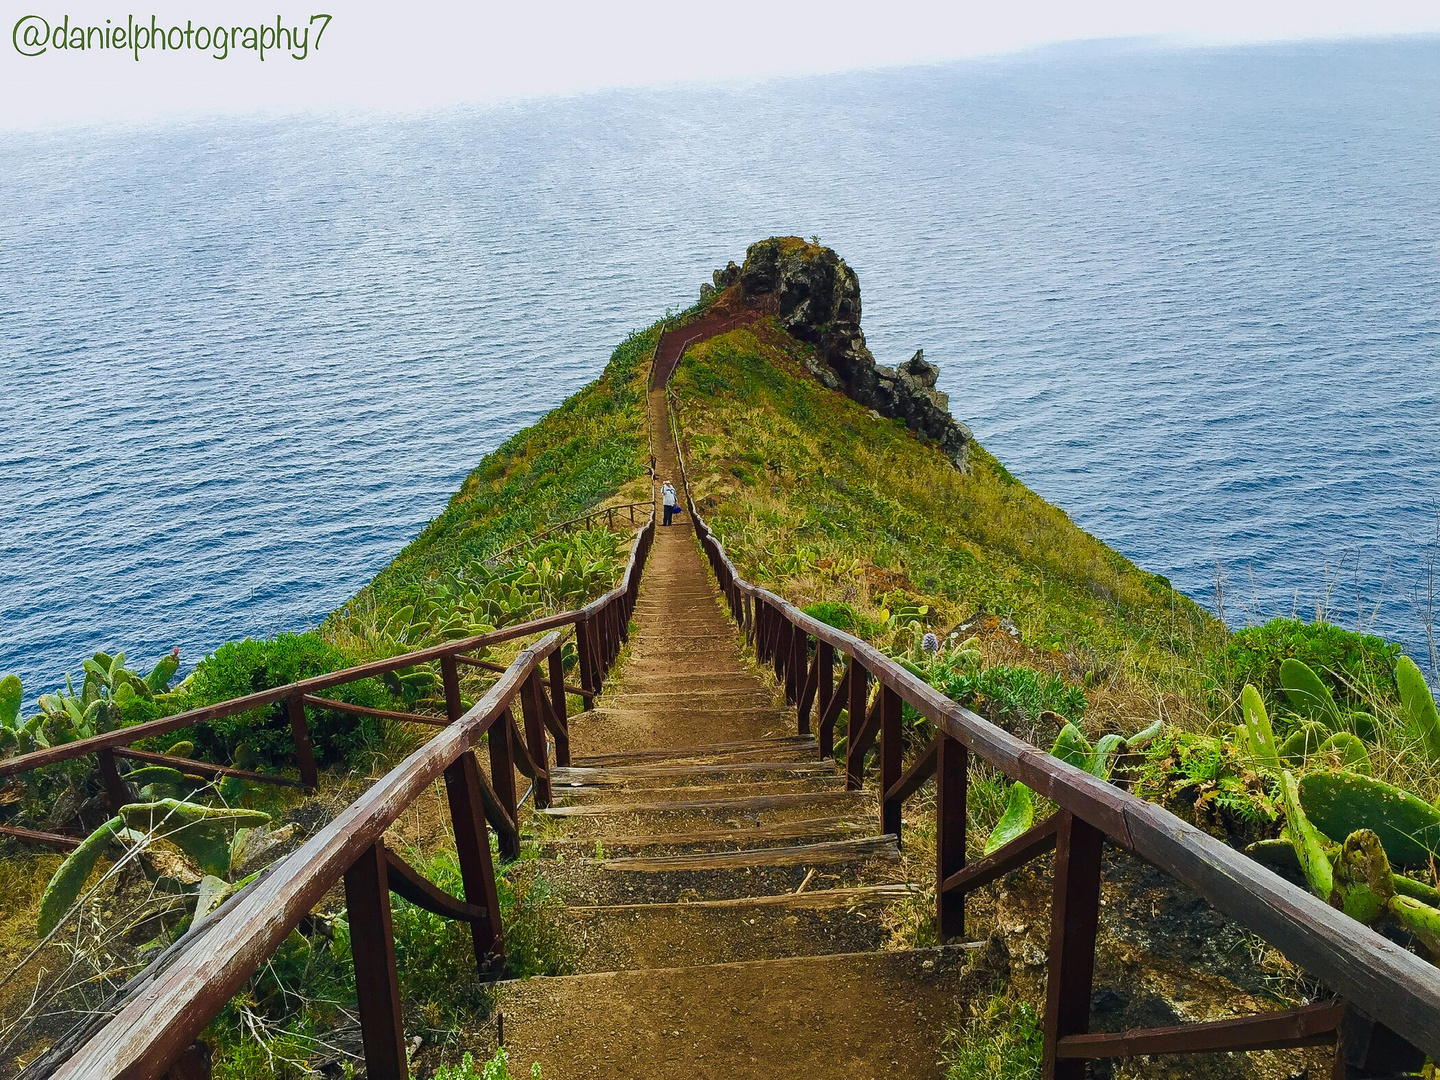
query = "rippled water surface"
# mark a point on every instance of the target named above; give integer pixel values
(1192, 297)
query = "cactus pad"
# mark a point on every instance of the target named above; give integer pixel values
(1349, 750)
(1308, 694)
(202, 832)
(1072, 747)
(1018, 817)
(70, 877)
(1419, 706)
(1310, 845)
(1341, 802)
(10, 698)
(1259, 734)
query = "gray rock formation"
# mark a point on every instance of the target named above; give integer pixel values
(819, 303)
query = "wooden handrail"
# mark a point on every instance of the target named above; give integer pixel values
(157, 1025)
(1360, 964)
(308, 687)
(170, 1007)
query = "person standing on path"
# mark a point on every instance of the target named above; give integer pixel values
(667, 496)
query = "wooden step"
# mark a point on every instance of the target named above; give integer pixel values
(730, 803)
(727, 839)
(811, 923)
(588, 823)
(573, 794)
(724, 875)
(841, 1016)
(817, 854)
(802, 745)
(592, 776)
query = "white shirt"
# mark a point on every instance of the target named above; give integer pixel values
(667, 494)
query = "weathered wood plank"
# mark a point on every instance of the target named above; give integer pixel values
(1312, 1025)
(409, 884)
(822, 854)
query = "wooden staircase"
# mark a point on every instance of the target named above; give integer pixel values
(725, 890)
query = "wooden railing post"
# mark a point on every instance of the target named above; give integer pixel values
(557, 703)
(304, 749)
(472, 850)
(502, 778)
(372, 946)
(450, 676)
(839, 698)
(1074, 919)
(824, 688)
(859, 698)
(952, 778)
(535, 740)
(116, 793)
(892, 747)
(810, 686)
(783, 633)
(796, 668)
(585, 654)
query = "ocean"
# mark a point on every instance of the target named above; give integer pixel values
(1192, 296)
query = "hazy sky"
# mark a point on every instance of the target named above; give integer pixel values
(415, 56)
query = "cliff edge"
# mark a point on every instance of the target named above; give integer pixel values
(817, 299)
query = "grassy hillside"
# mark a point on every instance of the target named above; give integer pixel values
(575, 457)
(824, 501)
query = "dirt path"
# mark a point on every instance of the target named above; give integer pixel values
(725, 890)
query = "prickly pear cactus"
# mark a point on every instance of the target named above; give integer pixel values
(1072, 747)
(1303, 742)
(1341, 802)
(1308, 694)
(10, 698)
(1362, 877)
(1259, 734)
(1312, 848)
(202, 832)
(1356, 876)
(1419, 706)
(1018, 817)
(65, 885)
(1348, 750)
(158, 681)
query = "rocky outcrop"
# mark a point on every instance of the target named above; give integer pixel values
(819, 303)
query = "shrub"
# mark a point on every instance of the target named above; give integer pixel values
(497, 1068)
(243, 667)
(1016, 691)
(1360, 668)
(841, 616)
(435, 956)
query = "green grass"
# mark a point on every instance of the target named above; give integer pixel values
(815, 497)
(1001, 1042)
(578, 454)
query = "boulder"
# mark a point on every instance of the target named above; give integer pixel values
(819, 303)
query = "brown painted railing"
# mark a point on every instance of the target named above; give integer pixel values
(148, 1028)
(1389, 998)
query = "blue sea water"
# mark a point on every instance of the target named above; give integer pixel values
(1191, 296)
